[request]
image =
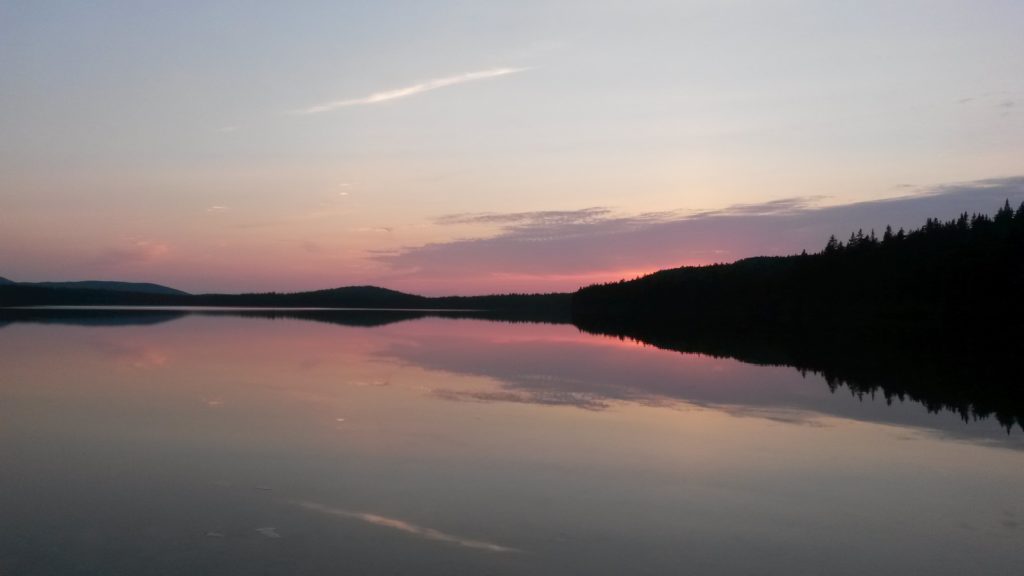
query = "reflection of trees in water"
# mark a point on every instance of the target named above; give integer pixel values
(974, 376)
(352, 317)
(88, 317)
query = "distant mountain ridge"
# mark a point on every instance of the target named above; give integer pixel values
(139, 287)
(112, 285)
(544, 307)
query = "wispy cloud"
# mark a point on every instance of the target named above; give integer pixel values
(1002, 101)
(772, 207)
(407, 527)
(413, 90)
(531, 218)
(216, 208)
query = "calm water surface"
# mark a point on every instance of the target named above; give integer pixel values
(213, 444)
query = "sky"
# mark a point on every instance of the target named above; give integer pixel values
(457, 147)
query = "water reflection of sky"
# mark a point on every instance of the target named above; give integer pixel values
(239, 445)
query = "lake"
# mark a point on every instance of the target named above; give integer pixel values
(156, 442)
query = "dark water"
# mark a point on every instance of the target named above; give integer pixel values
(163, 443)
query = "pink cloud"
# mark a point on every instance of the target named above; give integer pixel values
(134, 251)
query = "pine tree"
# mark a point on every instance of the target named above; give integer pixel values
(1005, 214)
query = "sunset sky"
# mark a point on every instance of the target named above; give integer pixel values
(469, 147)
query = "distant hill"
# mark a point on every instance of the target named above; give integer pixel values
(345, 297)
(539, 307)
(5, 281)
(138, 287)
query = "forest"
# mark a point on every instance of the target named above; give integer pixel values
(956, 277)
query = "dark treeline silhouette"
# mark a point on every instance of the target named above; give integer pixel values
(956, 276)
(541, 307)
